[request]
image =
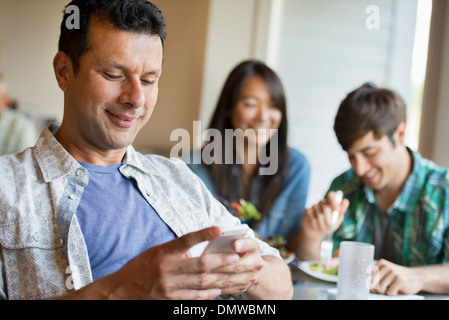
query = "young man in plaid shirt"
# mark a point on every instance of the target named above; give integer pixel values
(394, 198)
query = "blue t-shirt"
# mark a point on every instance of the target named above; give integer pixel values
(116, 220)
(285, 216)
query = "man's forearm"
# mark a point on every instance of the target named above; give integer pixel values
(305, 247)
(435, 279)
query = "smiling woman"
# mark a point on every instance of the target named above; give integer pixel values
(256, 110)
(253, 102)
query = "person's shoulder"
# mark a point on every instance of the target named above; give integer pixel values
(194, 159)
(15, 168)
(174, 173)
(348, 182)
(296, 155)
(435, 175)
(432, 184)
(162, 163)
(18, 159)
(6, 162)
(170, 168)
(297, 160)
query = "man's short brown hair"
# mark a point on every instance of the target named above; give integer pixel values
(367, 109)
(136, 16)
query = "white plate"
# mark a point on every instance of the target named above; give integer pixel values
(305, 266)
(290, 259)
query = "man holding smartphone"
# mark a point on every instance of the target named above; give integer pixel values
(84, 216)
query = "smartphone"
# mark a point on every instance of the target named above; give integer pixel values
(223, 244)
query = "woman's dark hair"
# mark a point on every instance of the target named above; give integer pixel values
(137, 16)
(367, 109)
(271, 185)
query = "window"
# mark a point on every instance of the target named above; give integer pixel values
(328, 48)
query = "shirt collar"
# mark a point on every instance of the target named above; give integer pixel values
(408, 198)
(55, 162)
(133, 161)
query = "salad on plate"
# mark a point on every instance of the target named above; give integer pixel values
(280, 243)
(328, 268)
(246, 211)
(324, 271)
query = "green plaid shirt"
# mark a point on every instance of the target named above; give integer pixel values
(419, 218)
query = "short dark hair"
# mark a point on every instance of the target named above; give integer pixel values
(369, 108)
(137, 16)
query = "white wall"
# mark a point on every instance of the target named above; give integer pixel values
(228, 41)
(327, 51)
(237, 30)
(29, 32)
(440, 143)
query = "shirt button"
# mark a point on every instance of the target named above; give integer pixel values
(36, 237)
(79, 173)
(72, 197)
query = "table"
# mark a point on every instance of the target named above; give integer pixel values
(307, 287)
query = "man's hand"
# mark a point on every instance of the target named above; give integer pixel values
(167, 271)
(316, 223)
(239, 277)
(164, 271)
(392, 279)
(317, 220)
